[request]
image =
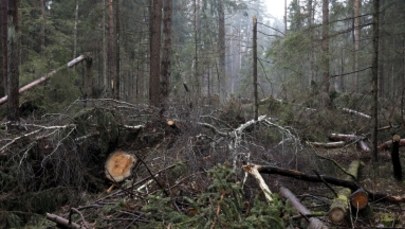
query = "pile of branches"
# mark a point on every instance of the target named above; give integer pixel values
(193, 169)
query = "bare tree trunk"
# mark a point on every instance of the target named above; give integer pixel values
(166, 54)
(285, 16)
(196, 46)
(155, 34)
(13, 33)
(376, 7)
(3, 34)
(256, 108)
(325, 54)
(105, 53)
(116, 41)
(221, 49)
(112, 76)
(75, 28)
(43, 25)
(356, 35)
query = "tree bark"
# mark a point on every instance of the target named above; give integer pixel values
(155, 36)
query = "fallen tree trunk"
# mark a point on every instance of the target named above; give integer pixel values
(357, 113)
(340, 204)
(387, 145)
(344, 137)
(62, 221)
(353, 186)
(46, 77)
(328, 145)
(314, 223)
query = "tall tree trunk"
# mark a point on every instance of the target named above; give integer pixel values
(196, 45)
(285, 15)
(221, 48)
(256, 108)
(116, 41)
(325, 54)
(43, 25)
(3, 34)
(166, 54)
(105, 78)
(75, 28)
(112, 51)
(356, 36)
(376, 7)
(154, 64)
(12, 57)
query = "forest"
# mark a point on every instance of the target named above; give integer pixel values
(202, 114)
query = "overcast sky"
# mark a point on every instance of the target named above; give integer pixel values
(276, 7)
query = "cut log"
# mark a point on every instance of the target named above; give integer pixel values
(119, 166)
(359, 199)
(64, 223)
(396, 163)
(314, 223)
(340, 204)
(46, 77)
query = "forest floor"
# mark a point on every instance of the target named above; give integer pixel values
(189, 172)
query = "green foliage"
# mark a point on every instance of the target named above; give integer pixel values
(221, 205)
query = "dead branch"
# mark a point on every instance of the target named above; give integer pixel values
(314, 223)
(62, 221)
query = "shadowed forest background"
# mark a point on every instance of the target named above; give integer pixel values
(222, 116)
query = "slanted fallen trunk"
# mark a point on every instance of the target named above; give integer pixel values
(357, 113)
(340, 204)
(314, 223)
(46, 77)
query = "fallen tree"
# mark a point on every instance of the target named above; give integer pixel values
(46, 77)
(352, 185)
(314, 223)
